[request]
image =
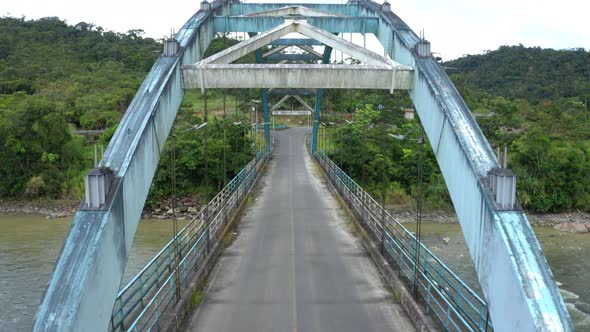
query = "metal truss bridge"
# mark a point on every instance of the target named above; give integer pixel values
(84, 294)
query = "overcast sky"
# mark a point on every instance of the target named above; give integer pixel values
(454, 27)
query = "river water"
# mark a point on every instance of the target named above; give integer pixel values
(29, 246)
(567, 255)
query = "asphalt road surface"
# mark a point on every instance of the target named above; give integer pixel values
(295, 265)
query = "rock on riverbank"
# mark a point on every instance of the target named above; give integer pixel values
(186, 208)
(573, 227)
(50, 208)
(443, 217)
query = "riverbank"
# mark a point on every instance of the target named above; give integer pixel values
(445, 217)
(188, 207)
(44, 207)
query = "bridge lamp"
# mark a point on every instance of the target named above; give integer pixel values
(197, 127)
(404, 138)
(419, 199)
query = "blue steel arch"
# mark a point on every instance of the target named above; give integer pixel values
(506, 253)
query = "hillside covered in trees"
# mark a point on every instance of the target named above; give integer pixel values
(56, 79)
(535, 102)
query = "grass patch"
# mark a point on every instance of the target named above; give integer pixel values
(398, 295)
(197, 298)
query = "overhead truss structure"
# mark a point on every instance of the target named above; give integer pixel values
(376, 72)
(515, 279)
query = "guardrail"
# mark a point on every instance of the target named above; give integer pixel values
(153, 292)
(454, 304)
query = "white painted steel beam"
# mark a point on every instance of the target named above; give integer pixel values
(286, 97)
(340, 44)
(377, 72)
(277, 105)
(308, 76)
(248, 46)
(310, 50)
(239, 50)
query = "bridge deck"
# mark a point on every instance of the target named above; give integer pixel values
(294, 265)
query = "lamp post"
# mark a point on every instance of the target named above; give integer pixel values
(323, 136)
(260, 138)
(419, 202)
(328, 136)
(252, 138)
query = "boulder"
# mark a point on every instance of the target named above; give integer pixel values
(572, 227)
(446, 240)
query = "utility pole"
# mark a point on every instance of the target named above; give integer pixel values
(224, 138)
(383, 189)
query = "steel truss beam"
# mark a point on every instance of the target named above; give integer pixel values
(294, 11)
(331, 24)
(377, 73)
(351, 8)
(285, 98)
(295, 76)
(309, 50)
(276, 54)
(275, 50)
(235, 52)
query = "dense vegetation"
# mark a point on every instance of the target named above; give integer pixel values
(533, 101)
(56, 78)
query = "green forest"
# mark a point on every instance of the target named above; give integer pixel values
(56, 79)
(533, 101)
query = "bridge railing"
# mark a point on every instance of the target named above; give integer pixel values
(445, 296)
(147, 300)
